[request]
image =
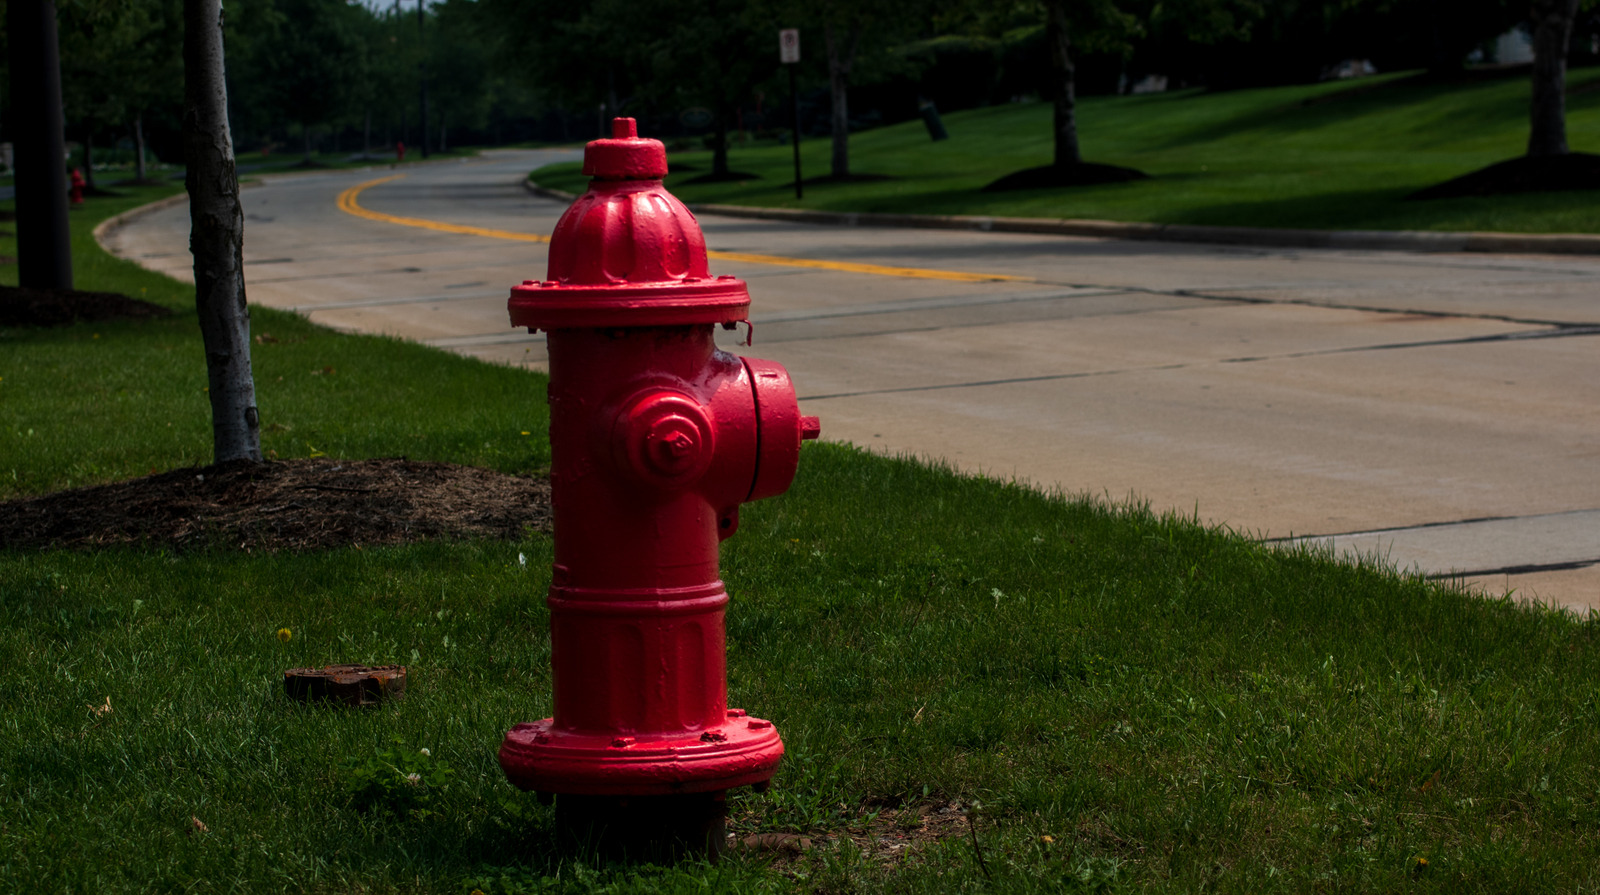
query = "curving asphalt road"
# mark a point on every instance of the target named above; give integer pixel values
(1439, 410)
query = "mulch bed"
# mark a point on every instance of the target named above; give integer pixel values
(1081, 174)
(1543, 174)
(59, 307)
(283, 505)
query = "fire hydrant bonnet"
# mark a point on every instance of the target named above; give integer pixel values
(627, 253)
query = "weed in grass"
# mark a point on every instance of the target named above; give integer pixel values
(396, 778)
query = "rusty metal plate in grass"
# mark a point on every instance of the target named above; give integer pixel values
(346, 684)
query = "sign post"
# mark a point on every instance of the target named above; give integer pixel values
(789, 55)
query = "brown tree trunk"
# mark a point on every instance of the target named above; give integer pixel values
(138, 147)
(88, 159)
(840, 58)
(1552, 31)
(422, 82)
(216, 236)
(1063, 83)
(719, 143)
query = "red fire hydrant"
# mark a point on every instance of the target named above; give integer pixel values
(78, 183)
(656, 438)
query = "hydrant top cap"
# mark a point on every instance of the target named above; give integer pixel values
(625, 156)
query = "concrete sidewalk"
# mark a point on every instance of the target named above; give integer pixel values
(1381, 401)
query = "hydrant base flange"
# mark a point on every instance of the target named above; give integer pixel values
(540, 758)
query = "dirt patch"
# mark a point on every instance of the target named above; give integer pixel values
(887, 835)
(59, 307)
(1542, 174)
(283, 505)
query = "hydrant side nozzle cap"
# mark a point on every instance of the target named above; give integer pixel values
(625, 156)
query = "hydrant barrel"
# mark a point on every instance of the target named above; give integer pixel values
(657, 436)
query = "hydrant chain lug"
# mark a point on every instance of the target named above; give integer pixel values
(657, 436)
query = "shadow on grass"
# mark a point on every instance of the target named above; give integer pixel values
(1343, 106)
(1387, 209)
(824, 180)
(1062, 176)
(719, 177)
(1347, 210)
(1525, 174)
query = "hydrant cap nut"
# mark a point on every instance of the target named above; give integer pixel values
(672, 445)
(625, 156)
(664, 438)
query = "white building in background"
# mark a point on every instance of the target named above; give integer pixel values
(1515, 47)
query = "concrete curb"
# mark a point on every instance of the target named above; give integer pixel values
(1382, 240)
(104, 228)
(548, 193)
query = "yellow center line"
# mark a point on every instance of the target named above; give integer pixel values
(349, 205)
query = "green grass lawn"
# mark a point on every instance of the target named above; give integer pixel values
(1135, 703)
(1338, 155)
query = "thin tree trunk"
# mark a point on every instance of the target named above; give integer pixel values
(422, 80)
(138, 147)
(305, 135)
(216, 236)
(443, 132)
(840, 59)
(366, 135)
(1552, 31)
(1064, 77)
(719, 143)
(44, 244)
(88, 159)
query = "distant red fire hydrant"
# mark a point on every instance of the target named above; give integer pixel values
(78, 183)
(657, 437)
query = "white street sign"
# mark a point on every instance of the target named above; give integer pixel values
(789, 45)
